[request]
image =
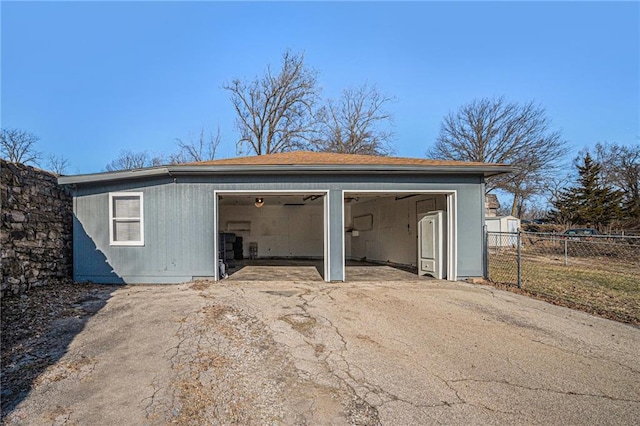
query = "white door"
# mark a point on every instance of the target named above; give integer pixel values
(432, 244)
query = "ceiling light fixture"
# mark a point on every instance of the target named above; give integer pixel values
(259, 202)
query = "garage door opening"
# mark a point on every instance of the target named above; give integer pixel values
(266, 236)
(383, 228)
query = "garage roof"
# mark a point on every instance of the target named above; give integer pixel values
(330, 158)
(302, 162)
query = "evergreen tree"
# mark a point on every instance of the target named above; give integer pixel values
(563, 211)
(590, 201)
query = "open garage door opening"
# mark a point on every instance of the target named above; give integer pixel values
(265, 235)
(411, 231)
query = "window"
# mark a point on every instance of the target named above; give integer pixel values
(126, 219)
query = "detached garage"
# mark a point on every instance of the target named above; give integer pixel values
(170, 224)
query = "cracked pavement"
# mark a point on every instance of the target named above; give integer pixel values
(309, 352)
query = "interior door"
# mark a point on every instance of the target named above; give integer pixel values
(431, 244)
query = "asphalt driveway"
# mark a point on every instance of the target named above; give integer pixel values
(308, 352)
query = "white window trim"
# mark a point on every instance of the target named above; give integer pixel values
(113, 195)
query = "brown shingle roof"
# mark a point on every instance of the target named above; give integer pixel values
(300, 162)
(329, 158)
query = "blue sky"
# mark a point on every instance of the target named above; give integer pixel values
(92, 78)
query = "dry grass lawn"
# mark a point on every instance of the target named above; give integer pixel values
(601, 286)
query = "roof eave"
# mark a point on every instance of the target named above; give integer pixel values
(178, 170)
(111, 176)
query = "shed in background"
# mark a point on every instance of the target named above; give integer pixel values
(502, 224)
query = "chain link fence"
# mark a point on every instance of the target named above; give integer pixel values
(600, 274)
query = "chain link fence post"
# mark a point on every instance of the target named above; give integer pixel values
(519, 257)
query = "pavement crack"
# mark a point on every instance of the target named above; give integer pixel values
(538, 389)
(149, 406)
(447, 384)
(597, 358)
(183, 338)
(343, 374)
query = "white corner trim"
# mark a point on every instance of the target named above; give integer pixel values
(452, 231)
(344, 241)
(216, 274)
(327, 238)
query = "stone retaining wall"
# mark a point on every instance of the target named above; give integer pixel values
(36, 233)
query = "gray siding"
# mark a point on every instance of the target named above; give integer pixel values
(178, 221)
(179, 217)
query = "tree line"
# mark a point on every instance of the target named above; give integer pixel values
(282, 110)
(605, 191)
(202, 147)
(20, 146)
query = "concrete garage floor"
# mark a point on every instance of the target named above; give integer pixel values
(312, 270)
(308, 352)
(276, 270)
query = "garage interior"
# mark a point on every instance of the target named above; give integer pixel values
(282, 236)
(381, 228)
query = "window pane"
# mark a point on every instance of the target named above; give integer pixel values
(126, 206)
(128, 230)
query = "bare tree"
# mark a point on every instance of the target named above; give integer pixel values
(496, 131)
(555, 185)
(129, 160)
(357, 123)
(621, 170)
(58, 164)
(275, 112)
(157, 160)
(534, 210)
(19, 146)
(201, 149)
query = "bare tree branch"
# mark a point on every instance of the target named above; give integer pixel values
(57, 164)
(275, 112)
(19, 146)
(201, 149)
(621, 170)
(495, 131)
(356, 124)
(129, 160)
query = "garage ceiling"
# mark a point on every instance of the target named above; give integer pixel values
(304, 199)
(271, 200)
